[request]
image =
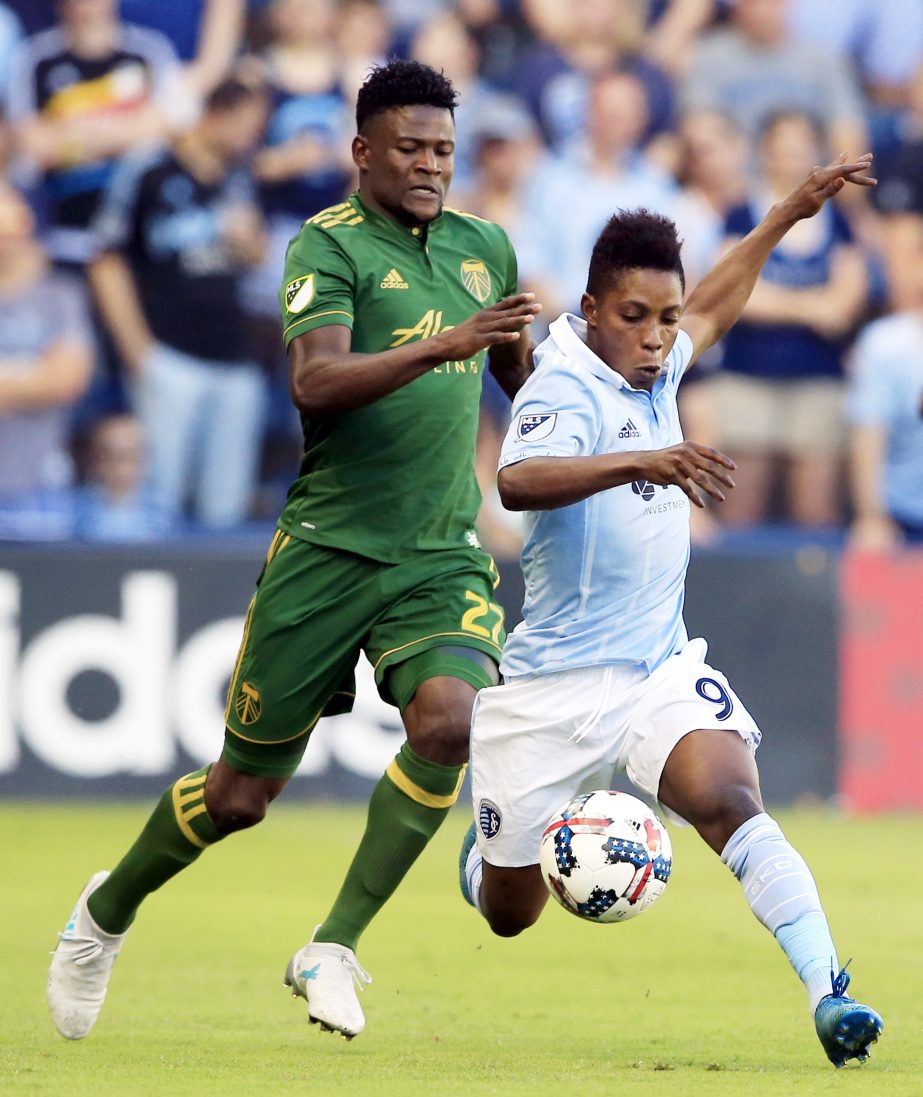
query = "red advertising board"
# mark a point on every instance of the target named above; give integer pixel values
(881, 682)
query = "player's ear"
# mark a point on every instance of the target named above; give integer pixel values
(360, 152)
(589, 309)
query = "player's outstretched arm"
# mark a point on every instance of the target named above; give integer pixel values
(545, 483)
(718, 300)
(326, 377)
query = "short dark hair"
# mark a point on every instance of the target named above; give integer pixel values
(403, 84)
(634, 239)
(231, 92)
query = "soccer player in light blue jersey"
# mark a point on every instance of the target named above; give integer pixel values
(600, 677)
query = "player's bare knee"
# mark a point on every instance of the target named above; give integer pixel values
(716, 818)
(442, 737)
(234, 812)
(510, 923)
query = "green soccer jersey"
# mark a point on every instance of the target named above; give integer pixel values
(396, 477)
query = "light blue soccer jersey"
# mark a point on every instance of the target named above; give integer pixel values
(604, 577)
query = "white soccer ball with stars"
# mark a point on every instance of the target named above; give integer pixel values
(606, 856)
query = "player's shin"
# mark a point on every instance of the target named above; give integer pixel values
(782, 894)
(178, 830)
(406, 809)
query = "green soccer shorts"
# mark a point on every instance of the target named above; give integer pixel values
(314, 611)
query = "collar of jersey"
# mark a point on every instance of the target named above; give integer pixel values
(569, 333)
(388, 223)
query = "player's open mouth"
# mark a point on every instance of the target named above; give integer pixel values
(429, 192)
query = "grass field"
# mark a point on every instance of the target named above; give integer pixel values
(692, 999)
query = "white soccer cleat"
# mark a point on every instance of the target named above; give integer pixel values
(326, 975)
(80, 969)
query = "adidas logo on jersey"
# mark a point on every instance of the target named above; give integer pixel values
(393, 280)
(629, 431)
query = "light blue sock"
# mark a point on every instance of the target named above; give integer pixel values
(782, 894)
(474, 874)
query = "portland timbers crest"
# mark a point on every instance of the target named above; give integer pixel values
(300, 293)
(247, 704)
(476, 278)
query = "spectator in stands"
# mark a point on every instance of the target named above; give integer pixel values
(779, 393)
(508, 153)
(363, 38)
(883, 39)
(45, 363)
(178, 226)
(206, 34)
(10, 34)
(577, 42)
(575, 194)
(81, 95)
(711, 171)
(446, 44)
(115, 504)
(304, 165)
(753, 67)
(885, 410)
(900, 200)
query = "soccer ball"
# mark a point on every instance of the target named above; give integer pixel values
(605, 856)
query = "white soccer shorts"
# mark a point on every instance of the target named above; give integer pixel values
(541, 739)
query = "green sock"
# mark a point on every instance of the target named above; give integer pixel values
(174, 836)
(405, 811)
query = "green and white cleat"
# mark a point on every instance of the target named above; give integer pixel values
(81, 966)
(326, 975)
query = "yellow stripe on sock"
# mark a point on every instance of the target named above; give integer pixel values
(182, 817)
(420, 795)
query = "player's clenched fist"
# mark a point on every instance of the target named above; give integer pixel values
(499, 323)
(691, 467)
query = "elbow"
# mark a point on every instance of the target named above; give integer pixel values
(509, 488)
(309, 397)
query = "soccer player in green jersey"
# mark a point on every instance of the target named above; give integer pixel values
(390, 302)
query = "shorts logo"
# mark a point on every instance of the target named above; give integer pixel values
(489, 819)
(476, 278)
(247, 704)
(536, 427)
(300, 293)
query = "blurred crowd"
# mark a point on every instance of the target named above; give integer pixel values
(155, 159)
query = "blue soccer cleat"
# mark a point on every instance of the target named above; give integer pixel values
(467, 842)
(845, 1027)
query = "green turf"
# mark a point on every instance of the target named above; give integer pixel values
(692, 999)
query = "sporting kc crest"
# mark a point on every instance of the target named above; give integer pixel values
(247, 704)
(476, 278)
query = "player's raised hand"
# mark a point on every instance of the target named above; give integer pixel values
(499, 323)
(691, 467)
(824, 182)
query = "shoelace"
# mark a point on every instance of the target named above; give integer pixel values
(840, 982)
(357, 971)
